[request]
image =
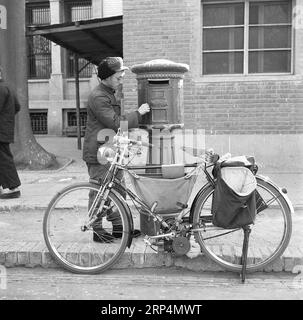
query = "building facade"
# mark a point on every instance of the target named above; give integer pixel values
(245, 84)
(51, 73)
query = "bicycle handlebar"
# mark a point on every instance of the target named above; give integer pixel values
(225, 156)
(125, 140)
(141, 143)
(169, 127)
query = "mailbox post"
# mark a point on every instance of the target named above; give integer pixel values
(160, 84)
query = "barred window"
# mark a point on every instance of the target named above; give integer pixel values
(38, 121)
(76, 11)
(72, 118)
(38, 48)
(70, 122)
(247, 37)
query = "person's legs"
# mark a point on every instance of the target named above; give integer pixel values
(9, 179)
(98, 172)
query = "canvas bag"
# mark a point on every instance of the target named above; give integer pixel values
(168, 193)
(234, 200)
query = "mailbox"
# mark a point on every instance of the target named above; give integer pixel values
(160, 84)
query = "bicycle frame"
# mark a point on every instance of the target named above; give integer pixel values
(111, 182)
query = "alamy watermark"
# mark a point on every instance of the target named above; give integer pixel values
(3, 278)
(173, 146)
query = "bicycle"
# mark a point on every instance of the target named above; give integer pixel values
(68, 231)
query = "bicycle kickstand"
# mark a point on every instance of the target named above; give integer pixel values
(247, 231)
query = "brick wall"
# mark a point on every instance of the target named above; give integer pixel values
(154, 29)
(245, 107)
(170, 29)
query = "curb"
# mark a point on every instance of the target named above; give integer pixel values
(18, 207)
(26, 207)
(68, 162)
(35, 254)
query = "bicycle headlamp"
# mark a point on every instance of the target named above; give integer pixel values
(105, 155)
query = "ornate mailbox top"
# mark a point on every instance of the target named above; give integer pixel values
(159, 66)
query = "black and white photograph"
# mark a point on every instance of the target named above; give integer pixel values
(151, 155)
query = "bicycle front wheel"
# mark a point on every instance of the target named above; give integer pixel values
(85, 250)
(269, 237)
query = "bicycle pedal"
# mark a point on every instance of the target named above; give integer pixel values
(147, 242)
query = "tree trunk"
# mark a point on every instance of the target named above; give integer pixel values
(13, 59)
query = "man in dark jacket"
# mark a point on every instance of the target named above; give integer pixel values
(9, 106)
(103, 112)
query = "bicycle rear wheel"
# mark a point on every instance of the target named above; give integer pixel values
(70, 245)
(269, 237)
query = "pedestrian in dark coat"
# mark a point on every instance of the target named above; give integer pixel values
(9, 106)
(103, 112)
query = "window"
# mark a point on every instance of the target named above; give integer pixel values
(70, 122)
(246, 37)
(76, 11)
(38, 121)
(72, 118)
(38, 48)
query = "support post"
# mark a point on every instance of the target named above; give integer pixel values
(77, 100)
(247, 231)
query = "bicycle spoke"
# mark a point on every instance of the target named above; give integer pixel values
(269, 236)
(89, 250)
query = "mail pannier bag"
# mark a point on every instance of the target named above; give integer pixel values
(234, 199)
(168, 193)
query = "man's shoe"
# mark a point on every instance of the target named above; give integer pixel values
(136, 233)
(10, 194)
(118, 230)
(103, 236)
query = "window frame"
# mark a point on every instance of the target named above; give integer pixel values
(30, 6)
(69, 129)
(85, 67)
(246, 41)
(41, 112)
(69, 4)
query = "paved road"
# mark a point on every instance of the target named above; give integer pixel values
(149, 284)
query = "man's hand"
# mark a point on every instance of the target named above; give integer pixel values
(144, 108)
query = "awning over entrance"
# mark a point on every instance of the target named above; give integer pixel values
(90, 39)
